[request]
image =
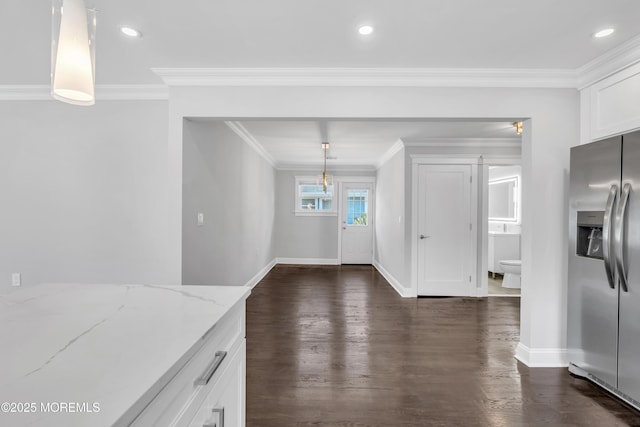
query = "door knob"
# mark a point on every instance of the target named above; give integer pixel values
(422, 236)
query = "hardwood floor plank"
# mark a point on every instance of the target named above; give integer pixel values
(336, 346)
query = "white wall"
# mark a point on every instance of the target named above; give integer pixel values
(551, 126)
(306, 239)
(234, 188)
(84, 192)
(302, 237)
(389, 253)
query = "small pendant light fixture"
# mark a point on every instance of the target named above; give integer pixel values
(326, 179)
(518, 126)
(73, 32)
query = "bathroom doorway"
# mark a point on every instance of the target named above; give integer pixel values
(504, 229)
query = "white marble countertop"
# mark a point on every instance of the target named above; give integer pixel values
(82, 355)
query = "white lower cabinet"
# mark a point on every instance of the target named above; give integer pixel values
(209, 390)
(224, 406)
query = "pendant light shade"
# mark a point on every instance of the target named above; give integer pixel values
(73, 52)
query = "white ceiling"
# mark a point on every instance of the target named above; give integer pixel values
(297, 143)
(540, 34)
(427, 34)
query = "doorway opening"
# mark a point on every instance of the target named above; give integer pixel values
(504, 229)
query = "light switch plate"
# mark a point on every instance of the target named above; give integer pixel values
(200, 219)
(16, 280)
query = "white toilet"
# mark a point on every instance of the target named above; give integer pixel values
(511, 268)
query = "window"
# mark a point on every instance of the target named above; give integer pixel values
(357, 207)
(311, 199)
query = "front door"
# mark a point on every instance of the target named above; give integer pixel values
(357, 223)
(445, 241)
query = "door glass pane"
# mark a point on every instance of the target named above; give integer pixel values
(357, 207)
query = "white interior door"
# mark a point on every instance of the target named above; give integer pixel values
(357, 224)
(445, 239)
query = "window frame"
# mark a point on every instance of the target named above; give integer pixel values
(312, 180)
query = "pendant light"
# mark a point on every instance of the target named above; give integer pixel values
(518, 126)
(73, 52)
(326, 179)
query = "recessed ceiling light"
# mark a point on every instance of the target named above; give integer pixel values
(604, 33)
(131, 32)
(365, 30)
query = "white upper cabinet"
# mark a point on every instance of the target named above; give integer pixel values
(610, 106)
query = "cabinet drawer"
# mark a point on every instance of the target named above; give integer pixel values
(224, 405)
(178, 401)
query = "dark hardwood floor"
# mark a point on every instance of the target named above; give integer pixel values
(337, 346)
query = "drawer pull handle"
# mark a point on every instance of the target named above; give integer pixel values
(220, 412)
(206, 376)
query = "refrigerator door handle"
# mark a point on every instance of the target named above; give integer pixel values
(619, 235)
(609, 264)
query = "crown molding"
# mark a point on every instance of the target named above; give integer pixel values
(611, 62)
(103, 92)
(317, 169)
(388, 155)
(601, 67)
(464, 142)
(25, 93)
(132, 92)
(398, 77)
(252, 141)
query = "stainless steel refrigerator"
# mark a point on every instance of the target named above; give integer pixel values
(603, 321)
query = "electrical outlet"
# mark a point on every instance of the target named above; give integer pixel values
(16, 279)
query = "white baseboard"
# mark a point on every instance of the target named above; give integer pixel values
(395, 284)
(308, 261)
(260, 275)
(542, 357)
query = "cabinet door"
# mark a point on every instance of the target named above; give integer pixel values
(178, 401)
(224, 406)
